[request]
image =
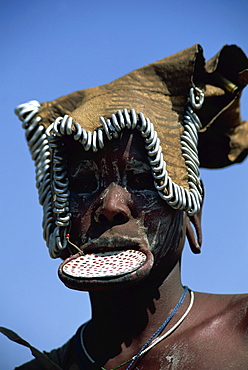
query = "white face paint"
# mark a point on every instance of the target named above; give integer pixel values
(113, 196)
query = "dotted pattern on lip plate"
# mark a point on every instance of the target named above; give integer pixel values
(105, 264)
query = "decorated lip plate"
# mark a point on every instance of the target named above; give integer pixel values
(98, 270)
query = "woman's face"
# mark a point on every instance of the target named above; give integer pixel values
(114, 203)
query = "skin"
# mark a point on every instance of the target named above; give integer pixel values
(118, 200)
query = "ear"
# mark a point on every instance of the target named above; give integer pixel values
(194, 237)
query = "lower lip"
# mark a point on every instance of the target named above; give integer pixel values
(105, 265)
(96, 271)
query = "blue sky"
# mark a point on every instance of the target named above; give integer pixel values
(51, 48)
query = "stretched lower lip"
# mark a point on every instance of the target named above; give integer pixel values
(105, 264)
(100, 269)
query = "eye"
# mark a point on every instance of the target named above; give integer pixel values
(83, 183)
(140, 181)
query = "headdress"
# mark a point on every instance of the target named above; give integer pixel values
(168, 102)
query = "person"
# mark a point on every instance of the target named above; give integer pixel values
(117, 174)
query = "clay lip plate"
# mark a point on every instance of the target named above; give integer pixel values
(106, 262)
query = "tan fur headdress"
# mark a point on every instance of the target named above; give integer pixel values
(172, 103)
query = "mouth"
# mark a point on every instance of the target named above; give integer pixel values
(105, 263)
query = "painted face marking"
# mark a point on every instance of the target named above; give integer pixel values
(120, 183)
(116, 171)
(155, 237)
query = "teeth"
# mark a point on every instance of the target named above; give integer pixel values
(107, 264)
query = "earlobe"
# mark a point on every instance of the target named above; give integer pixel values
(194, 235)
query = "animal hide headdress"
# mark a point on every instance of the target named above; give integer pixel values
(186, 110)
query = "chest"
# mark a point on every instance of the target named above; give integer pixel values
(198, 352)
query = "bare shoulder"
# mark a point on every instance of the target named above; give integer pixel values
(220, 323)
(228, 305)
(213, 336)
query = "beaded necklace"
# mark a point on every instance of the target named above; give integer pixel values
(151, 341)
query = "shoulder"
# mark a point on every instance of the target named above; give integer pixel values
(223, 303)
(216, 332)
(225, 314)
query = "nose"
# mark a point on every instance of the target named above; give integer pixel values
(114, 206)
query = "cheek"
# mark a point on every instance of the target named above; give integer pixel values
(155, 212)
(79, 204)
(151, 206)
(168, 240)
(147, 201)
(81, 213)
(74, 206)
(163, 224)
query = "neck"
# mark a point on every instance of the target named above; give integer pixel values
(125, 317)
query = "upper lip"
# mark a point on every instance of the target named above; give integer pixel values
(111, 244)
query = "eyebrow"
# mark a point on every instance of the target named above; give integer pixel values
(83, 165)
(89, 165)
(136, 165)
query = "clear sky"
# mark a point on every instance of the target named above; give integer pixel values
(50, 48)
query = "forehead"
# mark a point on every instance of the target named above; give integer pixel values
(127, 148)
